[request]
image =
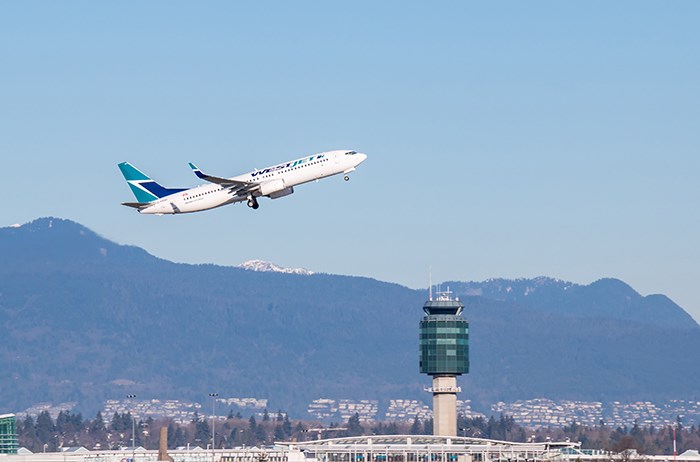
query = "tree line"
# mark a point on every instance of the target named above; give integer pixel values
(70, 429)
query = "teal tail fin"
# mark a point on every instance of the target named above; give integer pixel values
(144, 188)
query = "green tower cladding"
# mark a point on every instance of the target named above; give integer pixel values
(444, 354)
(8, 434)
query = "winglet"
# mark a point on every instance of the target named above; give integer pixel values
(197, 171)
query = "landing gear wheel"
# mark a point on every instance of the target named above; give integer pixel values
(253, 203)
(346, 178)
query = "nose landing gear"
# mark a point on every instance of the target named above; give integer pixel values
(346, 178)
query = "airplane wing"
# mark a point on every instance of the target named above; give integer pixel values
(226, 182)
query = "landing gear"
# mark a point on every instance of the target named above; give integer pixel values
(253, 203)
(346, 178)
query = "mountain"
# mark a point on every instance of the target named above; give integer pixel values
(260, 265)
(608, 298)
(84, 319)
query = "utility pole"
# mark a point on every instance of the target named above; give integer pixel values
(213, 424)
(133, 430)
(674, 442)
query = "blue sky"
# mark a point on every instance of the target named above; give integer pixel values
(505, 139)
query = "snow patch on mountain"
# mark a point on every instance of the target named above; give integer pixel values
(260, 265)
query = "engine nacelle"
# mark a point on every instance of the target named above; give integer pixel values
(271, 187)
(282, 193)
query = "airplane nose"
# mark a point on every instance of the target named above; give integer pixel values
(361, 157)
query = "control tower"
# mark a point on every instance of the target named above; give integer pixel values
(444, 354)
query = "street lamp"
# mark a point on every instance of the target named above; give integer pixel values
(133, 431)
(213, 424)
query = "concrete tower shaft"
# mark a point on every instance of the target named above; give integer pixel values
(445, 391)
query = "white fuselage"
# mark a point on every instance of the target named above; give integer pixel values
(275, 181)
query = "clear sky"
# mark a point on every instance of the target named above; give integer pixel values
(505, 139)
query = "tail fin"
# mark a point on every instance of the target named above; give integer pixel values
(144, 188)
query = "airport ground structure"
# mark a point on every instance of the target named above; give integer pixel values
(387, 448)
(8, 434)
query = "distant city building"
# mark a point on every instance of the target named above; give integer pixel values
(366, 409)
(331, 409)
(323, 409)
(464, 408)
(52, 409)
(255, 404)
(541, 412)
(408, 410)
(179, 411)
(8, 434)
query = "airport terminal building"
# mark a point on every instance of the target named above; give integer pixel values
(376, 448)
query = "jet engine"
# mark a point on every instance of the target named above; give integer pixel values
(275, 188)
(282, 193)
(271, 187)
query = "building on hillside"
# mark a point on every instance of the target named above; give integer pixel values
(8, 434)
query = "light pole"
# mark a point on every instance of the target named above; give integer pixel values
(213, 424)
(133, 431)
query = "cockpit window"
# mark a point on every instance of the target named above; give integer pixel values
(350, 153)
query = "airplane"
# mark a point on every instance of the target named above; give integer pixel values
(273, 182)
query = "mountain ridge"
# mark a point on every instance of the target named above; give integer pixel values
(84, 316)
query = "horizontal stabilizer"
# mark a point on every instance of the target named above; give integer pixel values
(136, 205)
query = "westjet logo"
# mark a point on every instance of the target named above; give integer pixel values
(287, 165)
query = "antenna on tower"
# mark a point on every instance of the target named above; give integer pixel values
(430, 282)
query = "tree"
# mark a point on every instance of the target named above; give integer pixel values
(625, 443)
(416, 427)
(261, 434)
(171, 436)
(27, 434)
(300, 432)
(202, 432)
(251, 434)
(44, 427)
(97, 425)
(428, 427)
(181, 437)
(287, 426)
(354, 426)
(266, 416)
(236, 436)
(252, 424)
(121, 422)
(68, 424)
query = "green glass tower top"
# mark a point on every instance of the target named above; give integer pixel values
(8, 434)
(444, 337)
